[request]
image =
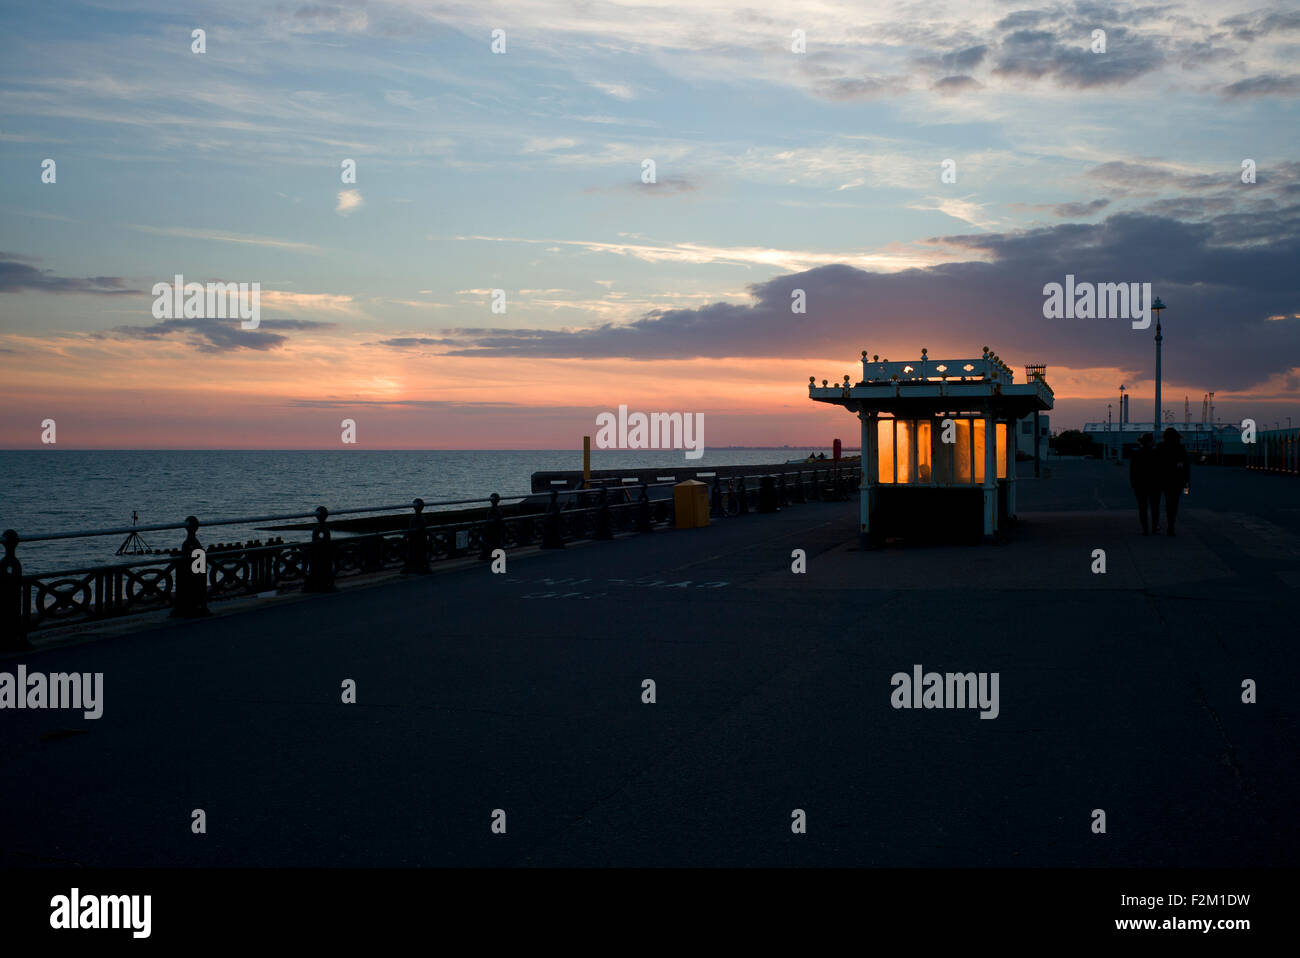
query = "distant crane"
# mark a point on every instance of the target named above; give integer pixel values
(1205, 408)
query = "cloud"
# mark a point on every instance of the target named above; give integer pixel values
(217, 335)
(1266, 84)
(17, 276)
(951, 85)
(1035, 54)
(327, 18)
(315, 302)
(620, 91)
(1152, 176)
(898, 257)
(222, 236)
(415, 342)
(859, 88)
(349, 200)
(663, 186)
(1252, 26)
(1079, 210)
(1220, 280)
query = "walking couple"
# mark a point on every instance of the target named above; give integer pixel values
(1164, 469)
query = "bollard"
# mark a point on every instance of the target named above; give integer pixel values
(643, 521)
(13, 625)
(417, 543)
(715, 498)
(742, 496)
(191, 600)
(604, 529)
(320, 556)
(767, 501)
(494, 529)
(553, 527)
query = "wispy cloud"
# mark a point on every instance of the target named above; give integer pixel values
(222, 236)
(701, 254)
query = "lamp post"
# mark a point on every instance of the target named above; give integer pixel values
(1121, 416)
(1109, 429)
(1155, 308)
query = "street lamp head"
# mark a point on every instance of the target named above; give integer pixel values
(1158, 305)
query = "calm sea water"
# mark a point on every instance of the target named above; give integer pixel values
(56, 491)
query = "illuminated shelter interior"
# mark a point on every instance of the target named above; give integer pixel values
(938, 442)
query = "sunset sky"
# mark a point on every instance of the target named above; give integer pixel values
(522, 171)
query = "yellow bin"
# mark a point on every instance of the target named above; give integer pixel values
(691, 504)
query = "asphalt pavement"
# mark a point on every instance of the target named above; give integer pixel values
(524, 693)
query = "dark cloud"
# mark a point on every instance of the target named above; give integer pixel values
(1252, 26)
(1221, 278)
(963, 61)
(17, 276)
(959, 61)
(1036, 54)
(415, 342)
(1022, 19)
(220, 335)
(956, 84)
(1067, 210)
(1266, 84)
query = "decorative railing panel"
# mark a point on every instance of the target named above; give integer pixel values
(31, 602)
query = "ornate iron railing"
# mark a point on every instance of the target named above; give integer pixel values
(186, 579)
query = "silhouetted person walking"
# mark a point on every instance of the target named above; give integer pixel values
(1144, 478)
(1175, 471)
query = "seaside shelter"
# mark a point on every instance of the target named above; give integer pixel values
(938, 443)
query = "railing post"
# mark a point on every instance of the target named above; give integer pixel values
(799, 496)
(783, 497)
(643, 521)
(191, 600)
(320, 556)
(816, 485)
(742, 495)
(603, 527)
(715, 498)
(553, 527)
(13, 637)
(494, 529)
(417, 543)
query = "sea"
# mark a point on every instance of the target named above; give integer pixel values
(53, 491)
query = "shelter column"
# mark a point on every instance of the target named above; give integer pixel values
(870, 470)
(990, 472)
(1012, 443)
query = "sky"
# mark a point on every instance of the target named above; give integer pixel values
(524, 171)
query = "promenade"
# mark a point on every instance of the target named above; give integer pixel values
(523, 692)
